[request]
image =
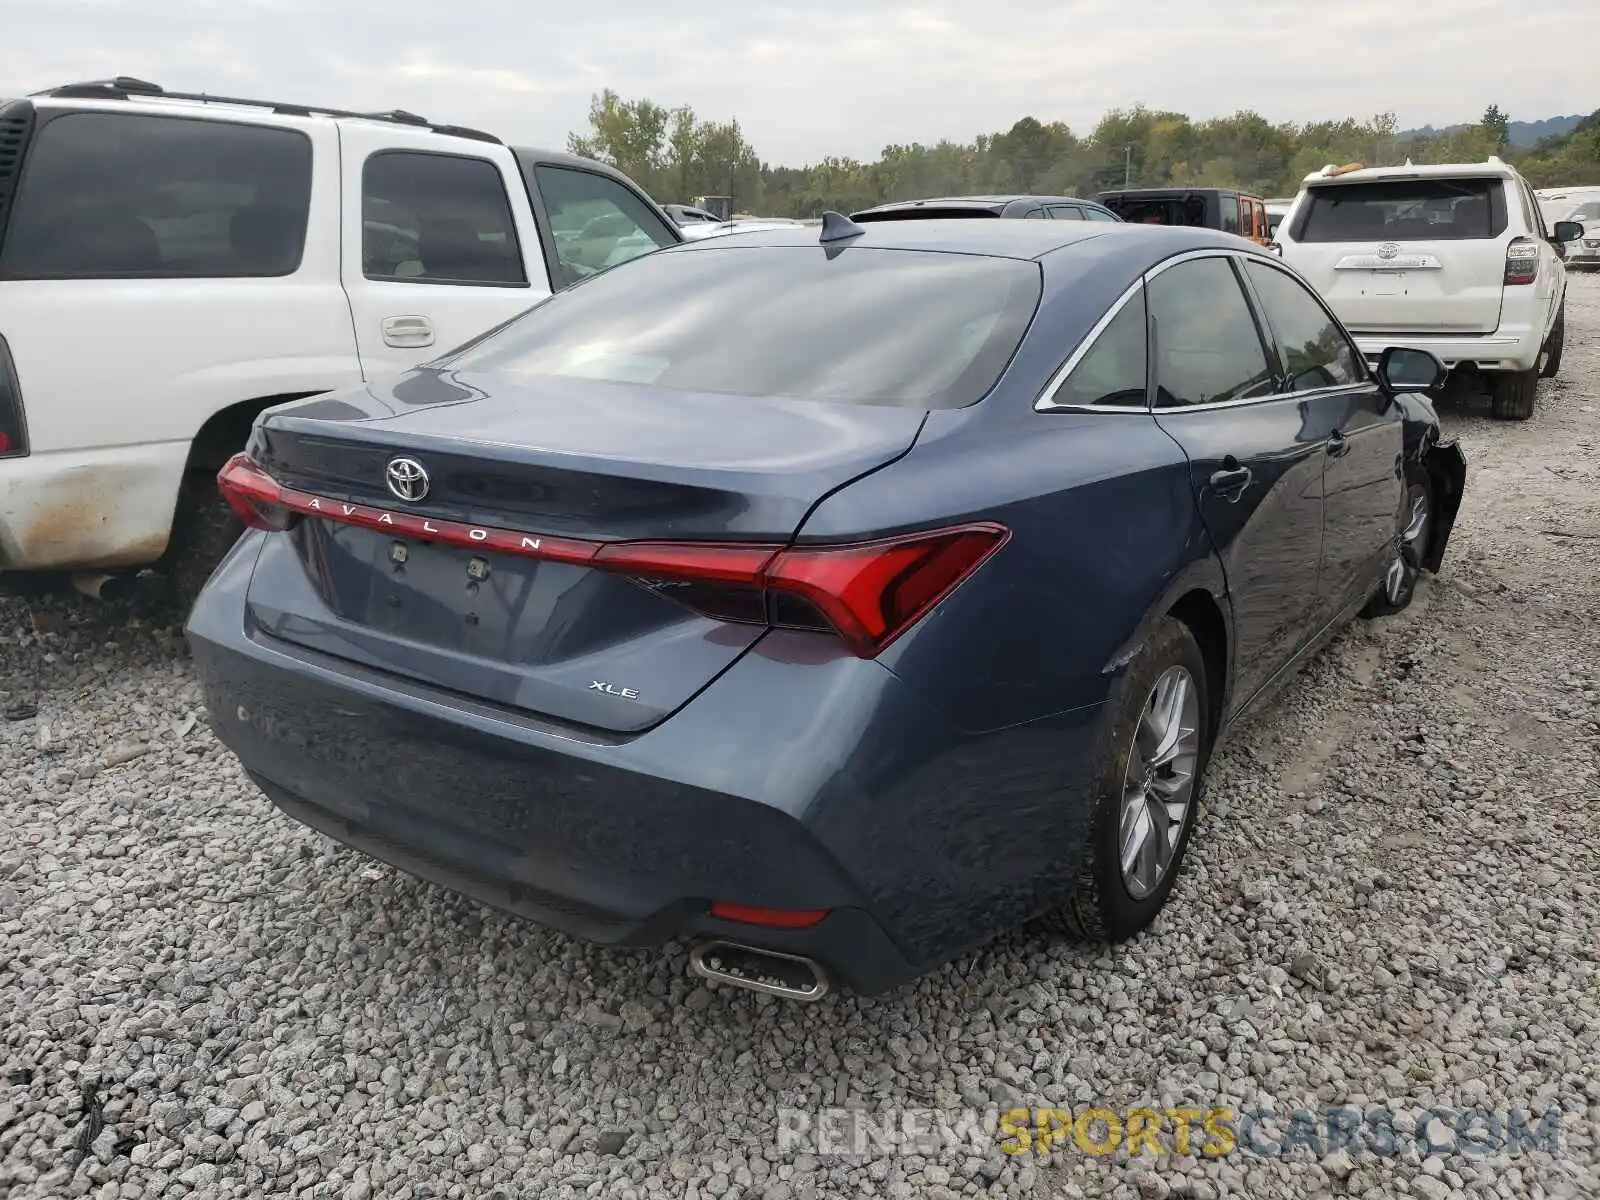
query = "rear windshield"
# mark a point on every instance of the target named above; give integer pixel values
(1404, 210)
(1182, 210)
(861, 325)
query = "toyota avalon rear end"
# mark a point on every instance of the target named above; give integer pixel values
(539, 622)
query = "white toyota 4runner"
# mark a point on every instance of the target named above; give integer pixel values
(171, 265)
(1451, 259)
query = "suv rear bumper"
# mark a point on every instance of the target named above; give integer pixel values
(1507, 349)
(89, 508)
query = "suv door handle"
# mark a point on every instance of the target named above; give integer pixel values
(1230, 482)
(407, 333)
(1338, 447)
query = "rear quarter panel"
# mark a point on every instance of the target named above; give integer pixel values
(1105, 536)
(983, 821)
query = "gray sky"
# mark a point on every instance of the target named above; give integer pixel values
(827, 76)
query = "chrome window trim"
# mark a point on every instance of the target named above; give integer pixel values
(1044, 403)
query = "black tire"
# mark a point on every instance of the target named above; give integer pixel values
(1102, 908)
(1398, 587)
(1554, 345)
(1512, 393)
(204, 529)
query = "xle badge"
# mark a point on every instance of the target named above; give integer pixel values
(612, 689)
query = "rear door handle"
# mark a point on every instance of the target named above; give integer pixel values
(1230, 482)
(407, 333)
(1338, 447)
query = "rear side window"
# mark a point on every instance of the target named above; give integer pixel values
(1404, 210)
(1066, 212)
(1114, 370)
(437, 218)
(1229, 209)
(1095, 214)
(125, 196)
(866, 326)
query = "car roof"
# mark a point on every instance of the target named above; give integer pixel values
(1142, 193)
(1333, 176)
(996, 239)
(996, 201)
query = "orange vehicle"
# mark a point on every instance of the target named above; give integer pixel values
(1210, 208)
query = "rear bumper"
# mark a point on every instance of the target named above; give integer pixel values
(89, 508)
(1509, 348)
(808, 784)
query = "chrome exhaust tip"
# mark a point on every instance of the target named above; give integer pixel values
(98, 585)
(786, 975)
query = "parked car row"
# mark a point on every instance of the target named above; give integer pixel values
(563, 530)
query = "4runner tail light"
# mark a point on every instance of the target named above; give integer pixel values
(1522, 261)
(867, 593)
(13, 429)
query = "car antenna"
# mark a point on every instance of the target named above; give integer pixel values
(836, 227)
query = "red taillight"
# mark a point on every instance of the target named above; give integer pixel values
(868, 593)
(1522, 261)
(874, 592)
(773, 918)
(13, 429)
(255, 497)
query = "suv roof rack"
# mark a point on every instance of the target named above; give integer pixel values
(125, 87)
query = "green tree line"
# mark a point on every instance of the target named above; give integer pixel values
(676, 155)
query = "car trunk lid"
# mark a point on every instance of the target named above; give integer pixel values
(486, 584)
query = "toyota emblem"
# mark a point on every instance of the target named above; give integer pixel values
(1388, 250)
(407, 478)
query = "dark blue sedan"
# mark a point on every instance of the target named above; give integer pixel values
(836, 601)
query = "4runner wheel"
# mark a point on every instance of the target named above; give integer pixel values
(1511, 397)
(1146, 791)
(1413, 528)
(203, 530)
(1553, 347)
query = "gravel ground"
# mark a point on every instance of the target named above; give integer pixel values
(1389, 907)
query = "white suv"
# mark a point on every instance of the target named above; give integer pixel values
(1451, 259)
(171, 265)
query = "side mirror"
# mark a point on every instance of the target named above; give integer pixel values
(1567, 231)
(1404, 369)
